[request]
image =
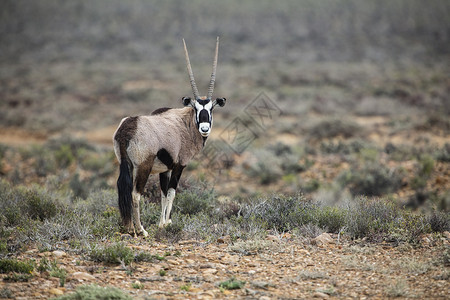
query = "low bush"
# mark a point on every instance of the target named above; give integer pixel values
(425, 166)
(371, 179)
(333, 128)
(116, 253)
(342, 147)
(20, 204)
(232, 284)
(439, 221)
(370, 218)
(444, 153)
(13, 265)
(194, 200)
(285, 213)
(87, 292)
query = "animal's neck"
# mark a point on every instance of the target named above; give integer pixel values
(196, 137)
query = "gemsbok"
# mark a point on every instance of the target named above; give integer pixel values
(161, 143)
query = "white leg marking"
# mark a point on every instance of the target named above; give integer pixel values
(170, 198)
(162, 220)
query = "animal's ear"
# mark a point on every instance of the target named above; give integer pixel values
(186, 101)
(220, 101)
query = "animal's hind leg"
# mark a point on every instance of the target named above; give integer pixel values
(141, 179)
(136, 214)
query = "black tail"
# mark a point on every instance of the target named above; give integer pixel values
(125, 188)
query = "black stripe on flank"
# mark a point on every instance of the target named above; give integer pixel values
(165, 158)
(160, 110)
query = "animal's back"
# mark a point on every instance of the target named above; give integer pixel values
(143, 136)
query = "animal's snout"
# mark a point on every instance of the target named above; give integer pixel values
(204, 129)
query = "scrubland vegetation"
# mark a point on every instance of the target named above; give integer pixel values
(360, 147)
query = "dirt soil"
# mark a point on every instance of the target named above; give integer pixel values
(280, 267)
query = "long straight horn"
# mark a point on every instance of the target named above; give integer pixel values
(191, 74)
(213, 74)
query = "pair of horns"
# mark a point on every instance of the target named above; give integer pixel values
(191, 74)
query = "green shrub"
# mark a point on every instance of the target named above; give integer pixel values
(15, 277)
(5, 292)
(79, 188)
(371, 179)
(232, 284)
(424, 169)
(20, 204)
(147, 257)
(444, 153)
(342, 147)
(331, 219)
(114, 254)
(370, 218)
(333, 128)
(278, 212)
(172, 232)
(95, 292)
(194, 201)
(266, 167)
(58, 272)
(38, 205)
(407, 227)
(13, 265)
(151, 212)
(64, 156)
(439, 221)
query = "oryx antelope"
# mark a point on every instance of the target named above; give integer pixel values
(161, 143)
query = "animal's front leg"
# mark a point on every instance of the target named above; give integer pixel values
(162, 220)
(170, 197)
(173, 183)
(164, 183)
(137, 215)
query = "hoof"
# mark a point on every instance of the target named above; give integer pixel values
(162, 225)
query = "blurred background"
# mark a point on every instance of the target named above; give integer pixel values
(363, 88)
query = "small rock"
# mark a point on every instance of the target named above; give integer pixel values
(260, 285)
(172, 262)
(82, 276)
(208, 294)
(446, 234)
(322, 240)
(188, 242)
(56, 291)
(153, 278)
(304, 252)
(58, 253)
(209, 271)
(320, 295)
